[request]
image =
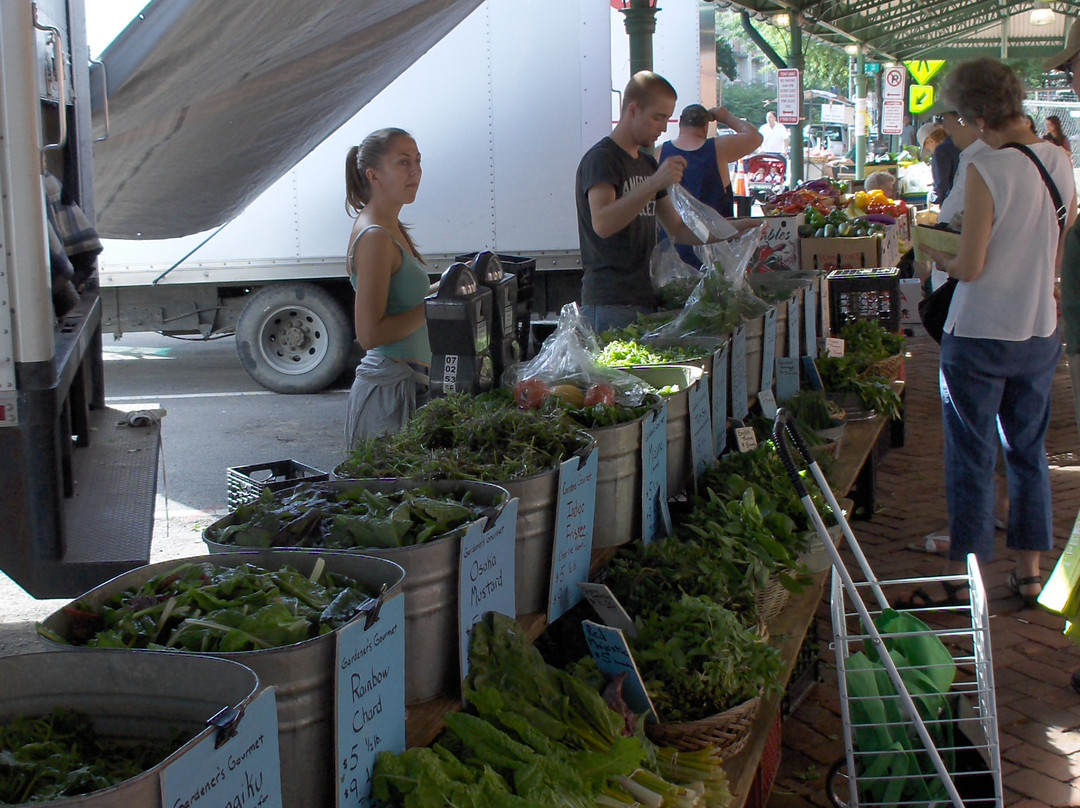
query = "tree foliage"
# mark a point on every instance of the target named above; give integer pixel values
(824, 66)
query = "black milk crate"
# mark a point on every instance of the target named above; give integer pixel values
(864, 294)
(805, 673)
(246, 483)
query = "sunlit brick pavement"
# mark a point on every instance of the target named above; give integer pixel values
(1038, 713)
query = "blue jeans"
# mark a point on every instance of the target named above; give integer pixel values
(997, 391)
(601, 318)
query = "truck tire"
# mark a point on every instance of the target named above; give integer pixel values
(294, 338)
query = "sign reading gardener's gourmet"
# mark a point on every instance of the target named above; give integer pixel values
(793, 325)
(740, 398)
(654, 474)
(572, 550)
(810, 307)
(607, 606)
(701, 437)
(244, 772)
(370, 693)
(768, 349)
(719, 380)
(486, 574)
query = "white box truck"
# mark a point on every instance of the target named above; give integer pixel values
(502, 109)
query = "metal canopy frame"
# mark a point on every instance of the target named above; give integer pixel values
(903, 30)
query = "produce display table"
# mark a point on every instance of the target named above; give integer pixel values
(856, 457)
(424, 721)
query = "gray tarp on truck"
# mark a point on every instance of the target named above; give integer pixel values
(210, 102)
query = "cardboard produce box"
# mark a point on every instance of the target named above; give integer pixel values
(779, 248)
(851, 253)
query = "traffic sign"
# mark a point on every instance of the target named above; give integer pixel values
(920, 98)
(870, 68)
(892, 84)
(892, 117)
(788, 95)
(924, 70)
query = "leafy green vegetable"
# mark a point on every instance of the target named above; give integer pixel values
(540, 737)
(468, 437)
(203, 607)
(316, 515)
(628, 352)
(58, 755)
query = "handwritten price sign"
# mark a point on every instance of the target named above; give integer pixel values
(572, 550)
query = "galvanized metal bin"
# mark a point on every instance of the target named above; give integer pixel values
(617, 518)
(680, 463)
(303, 672)
(430, 586)
(129, 698)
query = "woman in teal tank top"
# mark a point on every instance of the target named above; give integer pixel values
(382, 175)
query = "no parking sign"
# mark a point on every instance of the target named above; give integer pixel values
(892, 101)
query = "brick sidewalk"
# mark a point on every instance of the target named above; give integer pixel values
(1038, 713)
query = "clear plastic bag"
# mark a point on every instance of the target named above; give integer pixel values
(704, 222)
(566, 358)
(672, 278)
(722, 300)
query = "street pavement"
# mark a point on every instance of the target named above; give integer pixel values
(217, 418)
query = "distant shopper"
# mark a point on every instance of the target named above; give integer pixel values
(620, 193)
(882, 181)
(944, 156)
(774, 135)
(382, 175)
(707, 176)
(1054, 133)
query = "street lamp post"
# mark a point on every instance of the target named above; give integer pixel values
(640, 20)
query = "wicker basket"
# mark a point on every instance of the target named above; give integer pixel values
(771, 600)
(728, 731)
(889, 368)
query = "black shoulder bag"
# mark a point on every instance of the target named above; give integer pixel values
(934, 308)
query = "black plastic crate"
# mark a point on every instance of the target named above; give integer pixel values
(246, 483)
(864, 294)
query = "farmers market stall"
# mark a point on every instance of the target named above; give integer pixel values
(611, 499)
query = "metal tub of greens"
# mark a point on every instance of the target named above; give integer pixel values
(489, 439)
(97, 729)
(413, 523)
(275, 611)
(674, 382)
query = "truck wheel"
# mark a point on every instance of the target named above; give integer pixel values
(294, 338)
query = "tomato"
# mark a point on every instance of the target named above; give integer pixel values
(599, 393)
(530, 393)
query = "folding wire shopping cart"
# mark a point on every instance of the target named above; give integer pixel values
(918, 706)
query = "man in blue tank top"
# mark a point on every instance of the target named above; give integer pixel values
(707, 175)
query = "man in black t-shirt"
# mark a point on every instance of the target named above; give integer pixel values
(620, 193)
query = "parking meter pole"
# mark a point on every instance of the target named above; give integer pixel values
(860, 116)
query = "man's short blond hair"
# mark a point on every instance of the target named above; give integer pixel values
(644, 87)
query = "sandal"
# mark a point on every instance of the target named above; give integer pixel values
(921, 599)
(1017, 584)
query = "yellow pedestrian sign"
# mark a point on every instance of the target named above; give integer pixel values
(920, 98)
(923, 70)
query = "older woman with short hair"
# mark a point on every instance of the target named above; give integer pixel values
(1001, 347)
